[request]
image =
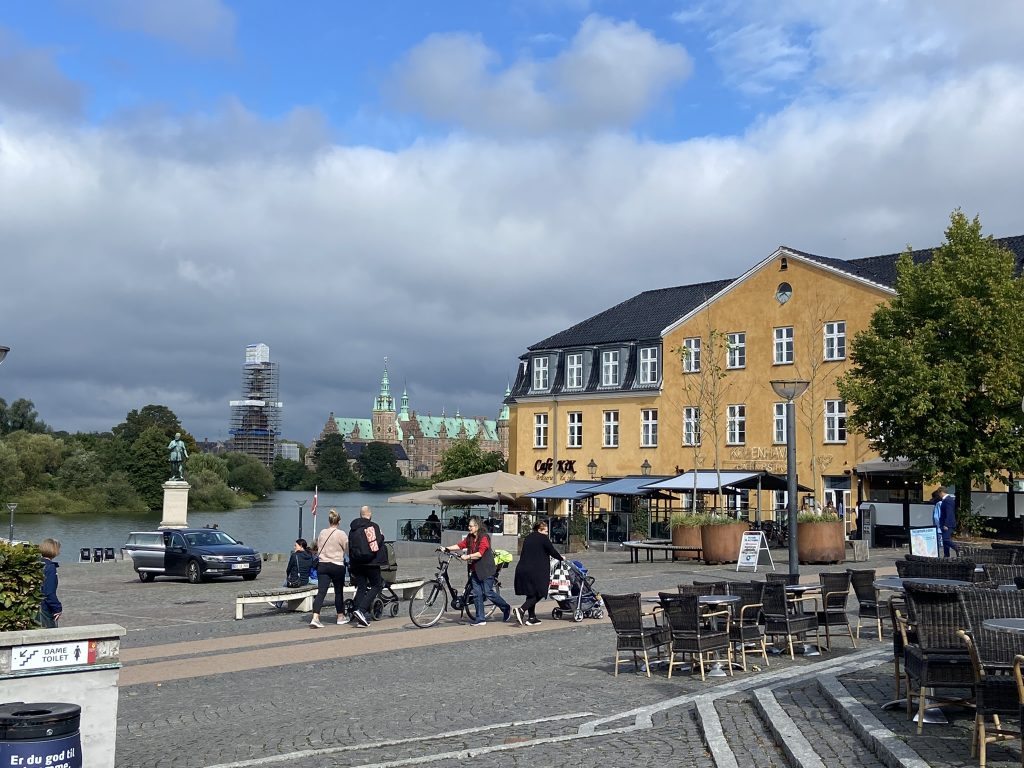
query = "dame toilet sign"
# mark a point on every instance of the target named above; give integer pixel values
(53, 655)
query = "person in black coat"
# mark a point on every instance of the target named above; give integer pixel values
(533, 573)
(299, 565)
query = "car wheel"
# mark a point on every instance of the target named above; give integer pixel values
(194, 572)
(145, 577)
(250, 576)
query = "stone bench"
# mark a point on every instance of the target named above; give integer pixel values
(301, 598)
(650, 547)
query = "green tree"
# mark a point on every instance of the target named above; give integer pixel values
(333, 472)
(197, 462)
(465, 457)
(159, 416)
(80, 470)
(39, 457)
(209, 493)
(937, 376)
(114, 454)
(378, 470)
(20, 415)
(290, 475)
(12, 479)
(148, 467)
(249, 474)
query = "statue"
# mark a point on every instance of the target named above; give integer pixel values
(178, 454)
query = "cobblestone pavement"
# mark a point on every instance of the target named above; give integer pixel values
(201, 690)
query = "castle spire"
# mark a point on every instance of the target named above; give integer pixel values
(384, 401)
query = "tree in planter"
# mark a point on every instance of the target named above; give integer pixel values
(937, 376)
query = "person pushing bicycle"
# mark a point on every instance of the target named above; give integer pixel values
(482, 570)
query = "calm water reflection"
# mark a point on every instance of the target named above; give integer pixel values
(270, 525)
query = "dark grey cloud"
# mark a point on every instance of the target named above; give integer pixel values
(32, 83)
(205, 27)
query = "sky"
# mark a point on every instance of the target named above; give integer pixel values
(443, 184)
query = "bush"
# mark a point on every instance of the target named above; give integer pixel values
(21, 581)
(687, 519)
(817, 517)
(720, 520)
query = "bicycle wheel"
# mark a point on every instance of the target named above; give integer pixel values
(489, 607)
(427, 605)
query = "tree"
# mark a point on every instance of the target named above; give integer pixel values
(333, 472)
(248, 474)
(159, 416)
(148, 467)
(39, 457)
(464, 458)
(378, 470)
(290, 475)
(80, 470)
(197, 462)
(20, 415)
(937, 376)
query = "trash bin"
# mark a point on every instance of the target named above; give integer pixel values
(40, 734)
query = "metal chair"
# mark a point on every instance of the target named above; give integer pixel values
(631, 634)
(692, 589)
(713, 587)
(746, 628)
(868, 604)
(691, 632)
(983, 555)
(835, 591)
(781, 618)
(787, 579)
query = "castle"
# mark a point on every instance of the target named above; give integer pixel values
(422, 439)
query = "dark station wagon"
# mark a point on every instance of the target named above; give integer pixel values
(194, 553)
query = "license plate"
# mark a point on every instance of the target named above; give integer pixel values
(239, 566)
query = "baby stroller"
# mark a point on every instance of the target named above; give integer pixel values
(387, 602)
(579, 599)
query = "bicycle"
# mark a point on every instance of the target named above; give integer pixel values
(431, 600)
(776, 533)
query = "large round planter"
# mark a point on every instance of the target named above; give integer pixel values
(686, 536)
(721, 543)
(821, 542)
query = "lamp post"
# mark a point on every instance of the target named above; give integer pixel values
(789, 390)
(592, 469)
(3, 353)
(301, 505)
(645, 468)
(12, 506)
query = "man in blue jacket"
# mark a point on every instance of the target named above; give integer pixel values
(947, 521)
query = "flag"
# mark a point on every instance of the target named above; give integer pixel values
(316, 489)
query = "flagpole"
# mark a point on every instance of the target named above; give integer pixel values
(316, 491)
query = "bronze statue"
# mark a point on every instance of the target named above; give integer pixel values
(178, 455)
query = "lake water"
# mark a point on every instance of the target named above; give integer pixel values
(270, 525)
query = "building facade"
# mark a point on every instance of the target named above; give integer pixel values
(423, 438)
(680, 378)
(256, 418)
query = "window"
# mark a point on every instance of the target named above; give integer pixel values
(779, 423)
(540, 430)
(691, 426)
(835, 421)
(649, 373)
(736, 425)
(610, 368)
(540, 373)
(737, 350)
(691, 355)
(835, 340)
(575, 439)
(574, 370)
(784, 345)
(649, 427)
(611, 429)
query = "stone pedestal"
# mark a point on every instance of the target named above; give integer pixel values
(175, 504)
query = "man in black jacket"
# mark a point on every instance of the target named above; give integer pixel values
(366, 555)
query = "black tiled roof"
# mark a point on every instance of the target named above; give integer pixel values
(642, 317)
(355, 450)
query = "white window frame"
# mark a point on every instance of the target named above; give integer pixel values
(691, 425)
(835, 421)
(650, 371)
(610, 368)
(779, 423)
(540, 430)
(784, 345)
(737, 350)
(610, 431)
(736, 425)
(691, 361)
(574, 429)
(541, 380)
(835, 340)
(574, 370)
(648, 427)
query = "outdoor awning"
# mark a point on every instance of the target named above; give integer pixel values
(885, 467)
(574, 489)
(439, 498)
(634, 485)
(702, 480)
(766, 481)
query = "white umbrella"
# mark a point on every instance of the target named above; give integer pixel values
(443, 498)
(504, 483)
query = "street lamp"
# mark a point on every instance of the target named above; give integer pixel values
(12, 506)
(789, 390)
(3, 353)
(301, 505)
(592, 469)
(645, 468)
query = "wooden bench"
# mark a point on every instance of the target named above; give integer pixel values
(650, 547)
(301, 598)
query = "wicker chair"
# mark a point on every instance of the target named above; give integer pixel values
(938, 659)
(631, 634)
(868, 604)
(992, 654)
(692, 589)
(782, 578)
(986, 555)
(898, 612)
(835, 591)
(781, 618)
(691, 633)
(1003, 574)
(713, 587)
(746, 628)
(1018, 660)
(959, 569)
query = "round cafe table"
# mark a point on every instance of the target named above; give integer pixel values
(1010, 626)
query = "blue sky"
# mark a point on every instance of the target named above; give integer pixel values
(349, 181)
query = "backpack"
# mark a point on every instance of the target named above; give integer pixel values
(363, 545)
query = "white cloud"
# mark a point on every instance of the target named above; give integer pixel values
(201, 26)
(610, 75)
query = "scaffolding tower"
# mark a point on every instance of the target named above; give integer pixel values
(256, 418)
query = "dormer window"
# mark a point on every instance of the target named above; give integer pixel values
(540, 373)
(649, 368)
(574, 370)
(610, 368)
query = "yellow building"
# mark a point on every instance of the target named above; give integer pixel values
(679, 378)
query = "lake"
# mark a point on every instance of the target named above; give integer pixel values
(270, 525)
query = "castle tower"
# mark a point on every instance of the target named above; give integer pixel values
(383, 417)
(503, 424)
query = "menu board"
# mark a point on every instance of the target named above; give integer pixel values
(924, 541)
(752, 545)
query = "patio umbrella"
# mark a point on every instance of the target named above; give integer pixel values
(442, 498)
(503, 483)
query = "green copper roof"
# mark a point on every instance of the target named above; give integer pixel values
(431, 426)
(345, 427)
(384, 401)
(503, 415)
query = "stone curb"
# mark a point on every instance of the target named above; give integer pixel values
(886, 745)
(711, 726)
(785, 732)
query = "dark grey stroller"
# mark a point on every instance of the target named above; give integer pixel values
(581, 601)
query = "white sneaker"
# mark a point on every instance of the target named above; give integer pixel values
(315, 624)
(343, 619)
(518, 613)
(361, 620)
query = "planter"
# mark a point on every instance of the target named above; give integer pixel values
(821, 542)
(721, 543)
(686, 536)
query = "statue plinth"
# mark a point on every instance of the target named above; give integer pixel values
(175, 504)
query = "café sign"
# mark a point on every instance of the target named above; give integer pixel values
(563, 466)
